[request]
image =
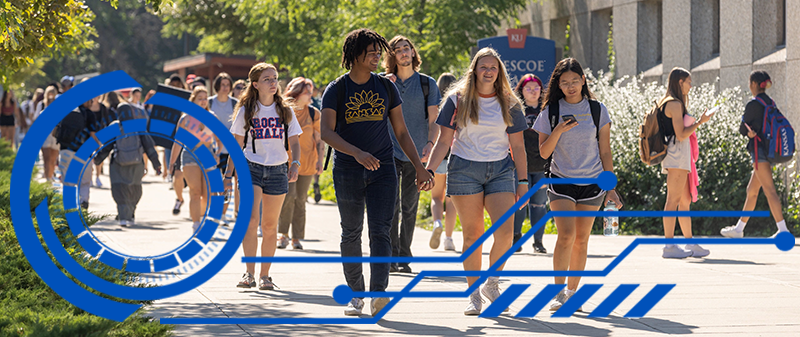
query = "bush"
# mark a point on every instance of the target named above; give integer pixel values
(28, 307)
(724, 166)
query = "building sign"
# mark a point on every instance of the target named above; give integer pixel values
(523, 54)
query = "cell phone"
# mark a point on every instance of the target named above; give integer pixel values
(568, 118)
(712, 110)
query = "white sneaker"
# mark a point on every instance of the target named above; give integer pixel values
(448, 244)
(436, 235)
(776, 234)
(377, 305)
(98, 183)
(731, 232)
(697, 251)
(475, 304)
(560, 299)
(491, 289)
(354, 307)
(124, 223)
(675, 252)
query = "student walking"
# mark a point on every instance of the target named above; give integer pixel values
(580, 148)
(439, 199)
(529, 90)
(293, 212)
(127, 166)
(76, 128)
(483, 109)
(355, 109)
(420, 97)
(50, 147)
(264, 125)
(672, 117)
(10, 116)
(222, 104)
(752, 126)
(178, 183)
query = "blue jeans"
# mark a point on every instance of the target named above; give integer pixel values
(357, 187)
(537, 206)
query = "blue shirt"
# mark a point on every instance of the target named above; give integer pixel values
(362, 117)
(414, 111)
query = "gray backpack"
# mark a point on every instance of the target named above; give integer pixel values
(128, 150)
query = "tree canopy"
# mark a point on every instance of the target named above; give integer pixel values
(305, 36)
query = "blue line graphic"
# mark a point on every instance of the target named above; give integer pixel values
(649, 300)
(540, 300)
(612, 301)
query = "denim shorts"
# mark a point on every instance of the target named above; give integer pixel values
(273, 180)
(466, 177)
(187, 159)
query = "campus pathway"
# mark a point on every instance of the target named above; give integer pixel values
(738, 290)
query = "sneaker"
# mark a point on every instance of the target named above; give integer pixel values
(297, 245)
(98, 183)
(448, 244)
(776, 234)
(85, 205)
(177, 209)
(283, 242)
(404, 269)
(475, 304)
(317, 194)
(436, 235)
(697, 251)
(124, 223)
(560, 299)
(265, 283)
(195, 227)
(259, 232)
(517, 236)
(675, 252)
(393, 268)
(248, 281)
(377, 305)
(539, 248)
(354, 307)
(731, 232)
(491, 290)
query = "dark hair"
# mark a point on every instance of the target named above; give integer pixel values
(674, 90)
(357, 42)
(218, 82)
(173, 78)
(524, 81)
(3, 100)
(111, 100)
(389, 60)
(199, 80)
(761, 78)
(444, 82)
(554, 93)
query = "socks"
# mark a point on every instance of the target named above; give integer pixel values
(782, 226)
(437, 223)
(569, 293)
(740, 226)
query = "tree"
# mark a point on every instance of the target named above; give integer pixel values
(33, 29)
(306, 36)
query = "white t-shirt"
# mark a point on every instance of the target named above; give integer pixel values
(486, 141)
(268, 133)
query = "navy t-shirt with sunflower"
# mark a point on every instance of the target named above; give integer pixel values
(365, 110)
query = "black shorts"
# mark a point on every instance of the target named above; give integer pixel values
(591, 195)
(223, 164)
(7, 120)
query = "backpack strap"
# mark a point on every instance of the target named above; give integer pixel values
(594, 106)
(340, 93)
(246, 135)
(312, 111)
(388, 85)
(426, 88)
(554, 112)
(285, 136)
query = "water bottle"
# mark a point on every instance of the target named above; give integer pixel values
(611, 221)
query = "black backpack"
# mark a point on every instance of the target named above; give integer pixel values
(554, 113)
(341, 92)
(70, 129)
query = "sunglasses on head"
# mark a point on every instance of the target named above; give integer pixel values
(238, 88)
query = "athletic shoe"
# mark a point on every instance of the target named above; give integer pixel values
(354, 307)
(377, 305)
(283, 242)
(248, 281)
(675, 252)
(404, 269)
(560, 299)
(776, 234)
(317, 194)
(195, 227)
(436, 235)
(475, 304)
(697, 251)
(124, 223)
(85, 205)
(265, 283)
(259, 232)
(393, 268)
(98, 183)
(177, 209)
(731, 232)
(491, 289)
(517, 236)
(297, 245)
(448, 244)
(539, 248)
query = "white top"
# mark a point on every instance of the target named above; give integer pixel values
(268, 132)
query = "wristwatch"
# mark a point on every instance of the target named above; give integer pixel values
(296, 162)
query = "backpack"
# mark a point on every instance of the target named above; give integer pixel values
(127, 150)
(778, 134)
(340, 97)
(554, 113)
(652, 143)
(70, 129)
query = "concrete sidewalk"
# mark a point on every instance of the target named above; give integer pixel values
(738, 290)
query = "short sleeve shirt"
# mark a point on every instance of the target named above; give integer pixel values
(267, 133)
(414, 111)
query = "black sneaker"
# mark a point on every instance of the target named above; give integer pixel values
(404, 269)
(393, 268)
(539, 248)
(317, 194)
(517, 236)
(85, 205)
(177, 209)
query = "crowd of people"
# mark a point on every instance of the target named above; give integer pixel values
(475, 142)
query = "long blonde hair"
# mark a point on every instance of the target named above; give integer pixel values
(198, 89)
(249, 99)
(466, 88)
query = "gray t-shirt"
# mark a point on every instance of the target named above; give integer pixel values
(577, 153)
(224, 112)
(414, 111)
